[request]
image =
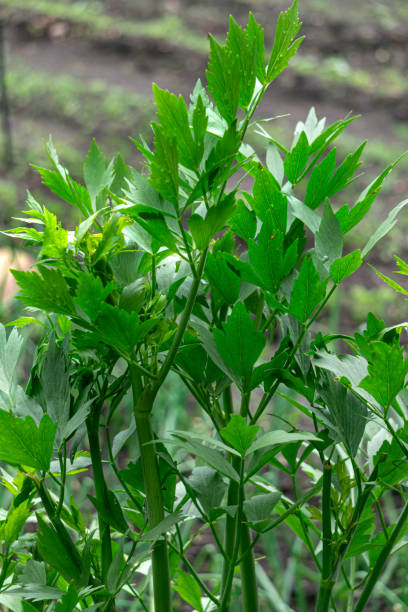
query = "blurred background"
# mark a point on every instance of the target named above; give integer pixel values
(78, 69)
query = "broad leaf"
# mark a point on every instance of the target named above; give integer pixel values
(22, 442)
(343, 267)
(239, 343)
(188, 589)
(239, 434)
(307, 293)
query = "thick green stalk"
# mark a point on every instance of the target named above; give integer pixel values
(327, 582)
(379, 565)
(143, 403)
(92, 426)
(238, 535)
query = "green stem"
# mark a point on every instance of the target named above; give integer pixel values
(326, 582)
(185, 317)
(142, 405)
(379, 565)
(248, 577)
(92, 426)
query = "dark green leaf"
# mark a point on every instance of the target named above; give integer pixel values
(111, 511)
(222, 278)
(91, 294)
(259, 507)
(209, 487)
(243, 221)
(239, 43)
(280, 437)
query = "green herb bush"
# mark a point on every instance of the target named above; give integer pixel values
(214, 262)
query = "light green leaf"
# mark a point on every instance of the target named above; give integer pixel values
(16, 518)
(22, 442)
(345, 266)
(280, 437)
(96, 175)
(329, 238)
(163, 527)
(239, 343)
(54, 552)
(204, 229)
(259, 507)
(284, 45)
(46, 290)
(243, 221)
(386, 372)
(212, 457)
(55, 384)
(209, 487)
(55, 238)
(385, 227)
(188, 589)
(239, 43)
(172, 116)
(239, 434)
(296, 160)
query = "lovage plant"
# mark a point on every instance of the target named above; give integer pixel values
(214, 262)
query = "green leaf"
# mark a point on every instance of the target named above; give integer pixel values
(266, 256)
(16, 518)
(284, 44)
(329, 238)
(22, 442)
(172, 116)
(68, 601)
(114, 571)
(60, 183)
(239, 43)
(345, 266)
(210, 456)
(274, 163)
(111, 511)
(222, 278)
(350, 218)
(295, 161)
(307, 293)
(55, 384)
(347, 414)
(223, 78)
(91, 294)
(386, 372)
(47, 290)
(164, 165)
(280, 437)
(385, 227)
(238, 434)
(204, 229)
(200, 122)
(239, 343)
(243, 221)
(209, 487)
(318, 186)
(54, 552)
(163, 527)
(33, 572)
(155, 225)
(96, 175)
(392, 283)
(55, 239)
(268, 202)
(121, 329)
(256, 40)
(259, 507)
(188, 589)
(344, 173)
